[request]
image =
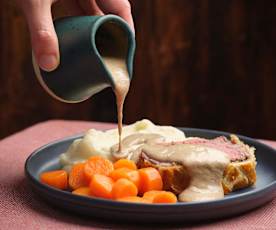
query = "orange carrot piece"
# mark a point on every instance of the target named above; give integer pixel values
(155, 196)
(82, 191)
(119, 173)
(123, 188)
(101, 186)
(97, 165)
(77, 177)
(150, 179)
(125, 163)
(135, 199)
(165, 197)
(132, 175)
(56, 178)
(150, 195)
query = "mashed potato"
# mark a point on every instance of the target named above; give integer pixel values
(96, 142)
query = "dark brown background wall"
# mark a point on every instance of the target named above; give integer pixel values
(199, 63)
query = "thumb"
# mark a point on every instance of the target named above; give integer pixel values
(43, 36)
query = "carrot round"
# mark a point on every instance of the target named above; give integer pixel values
(123, 188)
(135, 199)
(82, 191)
(150, 179)
(165, 197)
(150, 195)
(97, 165)
(132, 175)
(77, 177)
(101, 186)
(56, 178)
(125, 163)
(155, 196)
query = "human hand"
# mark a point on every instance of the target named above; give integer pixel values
(43, 36)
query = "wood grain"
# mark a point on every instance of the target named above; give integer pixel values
(199, 63)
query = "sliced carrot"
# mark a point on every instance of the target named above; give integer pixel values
(77, 177)
(132, 175)
(165, 197)
(56, 178)
(82, 191)
(97, 165)
(155, 196)
(150, 179)
(119, 173)
(123, 188)
(101, 186)
(135, 199)
(125, 163)
(150, 195)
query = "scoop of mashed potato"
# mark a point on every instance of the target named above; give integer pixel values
(96, 142)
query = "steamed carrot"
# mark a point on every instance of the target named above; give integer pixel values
(135, 199)
(77, 177)
(123, 188)
(119, 173)
(101, 186)
(150, 179)
(82, 191)
(160, 197)
(150, 195)
(97, 165)
(125, 163)
(132, 175)
(164, 197)
(56, 178)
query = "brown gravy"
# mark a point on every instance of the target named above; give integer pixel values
(118, 70)
(133, 144)
(205, 165)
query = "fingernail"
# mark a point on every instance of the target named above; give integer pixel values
(48, 62)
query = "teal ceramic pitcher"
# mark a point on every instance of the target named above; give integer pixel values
(83, 41)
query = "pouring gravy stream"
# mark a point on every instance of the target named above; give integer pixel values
(205, 165)
(118, 70)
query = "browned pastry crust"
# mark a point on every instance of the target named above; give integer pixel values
(237, 175)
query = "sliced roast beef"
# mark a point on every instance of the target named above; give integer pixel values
(236, 150)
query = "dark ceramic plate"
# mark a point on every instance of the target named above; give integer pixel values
(46, 158)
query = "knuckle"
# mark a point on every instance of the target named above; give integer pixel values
(43, 35)
(126, 5)
(44, 40)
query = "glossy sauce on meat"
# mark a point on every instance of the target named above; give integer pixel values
(205, 165)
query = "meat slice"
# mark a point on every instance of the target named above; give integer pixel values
(240, 173)
(235, 149)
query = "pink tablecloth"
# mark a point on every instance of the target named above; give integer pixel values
(20, 210)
